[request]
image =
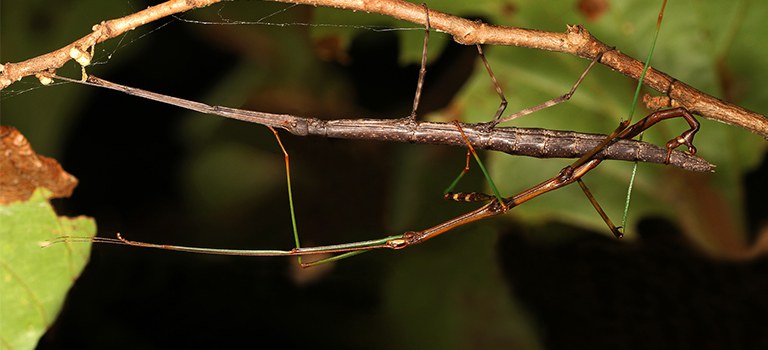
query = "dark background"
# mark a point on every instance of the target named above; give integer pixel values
(502, 284)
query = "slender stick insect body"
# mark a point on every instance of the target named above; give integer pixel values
(496, 203)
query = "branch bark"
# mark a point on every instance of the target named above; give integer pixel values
(576, 41)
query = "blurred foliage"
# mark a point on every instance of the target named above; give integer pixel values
(160, 174)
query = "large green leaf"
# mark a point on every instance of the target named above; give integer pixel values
(33, 280)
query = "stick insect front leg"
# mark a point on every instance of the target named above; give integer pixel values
(497, 118)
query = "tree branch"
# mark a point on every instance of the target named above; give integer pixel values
(576, 41)
(13, 72)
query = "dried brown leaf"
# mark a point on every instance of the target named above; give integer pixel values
(22, 170)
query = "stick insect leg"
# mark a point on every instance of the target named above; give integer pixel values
(624, 132)
(423, 69)
(557, 100)
(614, 229)
(474, 196)
(299, 258)
(448, 193)
(331, 259)
(290, 192)
(496, 85)
(685, 138)
(620, 132)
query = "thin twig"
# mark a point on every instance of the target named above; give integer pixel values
(576, 41)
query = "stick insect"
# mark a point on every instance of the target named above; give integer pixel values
(496, 204)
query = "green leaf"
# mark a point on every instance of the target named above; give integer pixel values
(34, 281)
